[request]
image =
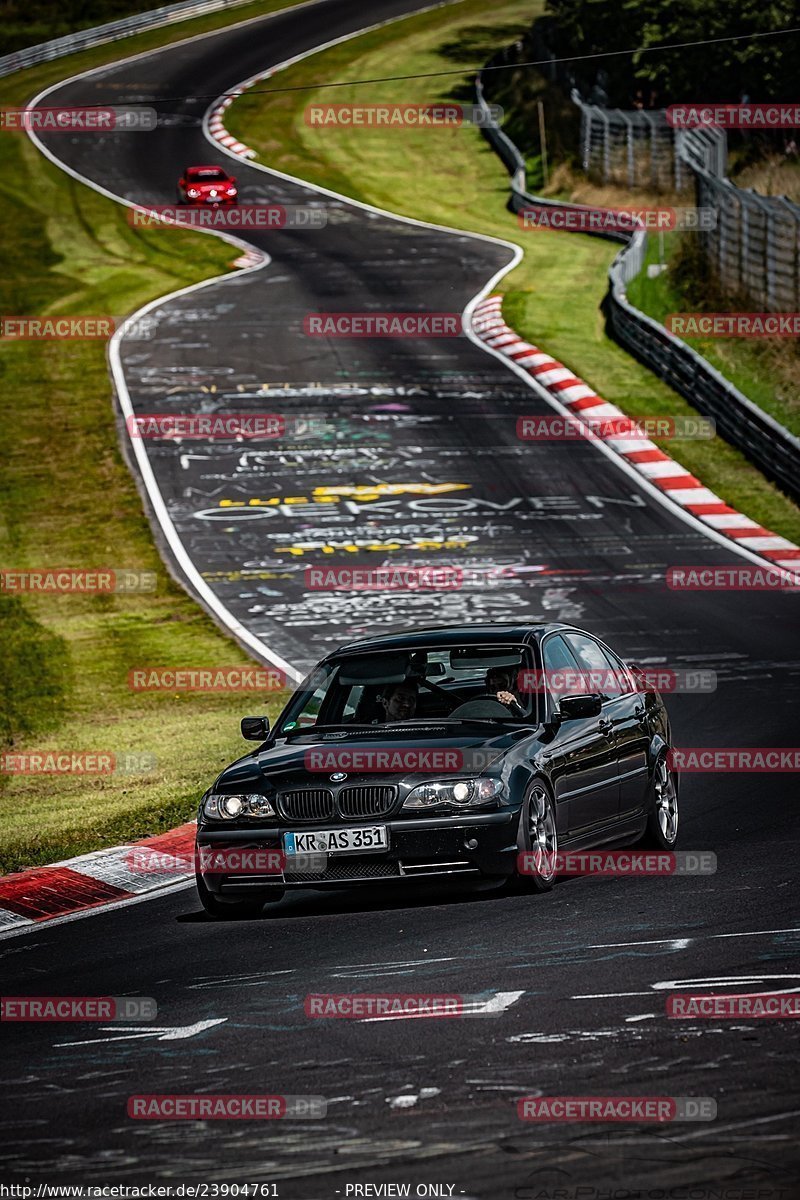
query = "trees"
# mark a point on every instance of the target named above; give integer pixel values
(759, 68)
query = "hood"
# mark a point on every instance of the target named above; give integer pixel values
(374, 755)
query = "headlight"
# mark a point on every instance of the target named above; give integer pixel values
(231, 191)
(227, 808)
(455, 793)
(193, 193)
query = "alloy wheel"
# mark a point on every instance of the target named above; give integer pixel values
(542, 834)
(666, 801)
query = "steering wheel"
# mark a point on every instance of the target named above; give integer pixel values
(481, 706)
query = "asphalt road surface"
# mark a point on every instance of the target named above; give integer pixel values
(576, 980)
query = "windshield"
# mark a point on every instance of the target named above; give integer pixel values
(207, 173)
(466, 683)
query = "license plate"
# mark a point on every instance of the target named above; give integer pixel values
(337, 841)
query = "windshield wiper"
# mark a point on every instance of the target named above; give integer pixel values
(468, 720)
(324, 729)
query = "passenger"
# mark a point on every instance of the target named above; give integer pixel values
(399, 702)
(499, 682)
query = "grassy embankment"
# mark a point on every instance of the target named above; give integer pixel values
(68, 499)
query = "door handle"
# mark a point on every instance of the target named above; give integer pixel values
(605, 727)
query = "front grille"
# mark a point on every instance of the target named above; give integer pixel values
(311, 804)
(367, 801)
(339, 870)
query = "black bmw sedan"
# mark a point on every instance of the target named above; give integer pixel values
(479, 750)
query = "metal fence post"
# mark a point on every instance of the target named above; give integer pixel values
(586, 118)
(629, 149)
(606, 145)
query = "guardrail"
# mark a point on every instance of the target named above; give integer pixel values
(83, 39)
(763, 440)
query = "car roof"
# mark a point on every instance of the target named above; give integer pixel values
(456, 635)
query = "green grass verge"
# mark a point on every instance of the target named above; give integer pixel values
(68, 499)
(452, 177)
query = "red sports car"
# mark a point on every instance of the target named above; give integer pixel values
(207, 185)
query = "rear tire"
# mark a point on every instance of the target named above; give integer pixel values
(229, 909)
(661, 831)
(538, 837)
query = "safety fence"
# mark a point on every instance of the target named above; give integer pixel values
(634, 148)
(754, 248)
(638, 148)
(763, 440)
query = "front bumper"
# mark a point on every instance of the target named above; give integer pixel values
(207, 202)
(474, 844)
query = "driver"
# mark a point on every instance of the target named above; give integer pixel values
(400, 701)
(498, 684)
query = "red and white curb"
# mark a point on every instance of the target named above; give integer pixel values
(217, 130)
(250, 258)
(214, 123)
(92, 880)
(642, 454)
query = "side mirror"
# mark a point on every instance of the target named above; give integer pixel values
(575, 708)
(233, 179)
(181, 183)
(255, 729)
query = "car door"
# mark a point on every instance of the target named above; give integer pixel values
(622, 716)
(632, 737)
(582, 755)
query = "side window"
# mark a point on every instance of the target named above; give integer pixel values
(561, 670)
(310, 710)
(620, 668)
(308, 700)
(603, 674)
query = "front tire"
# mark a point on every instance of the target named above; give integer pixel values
(538, 838)
(661, 831)
(225, 909)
